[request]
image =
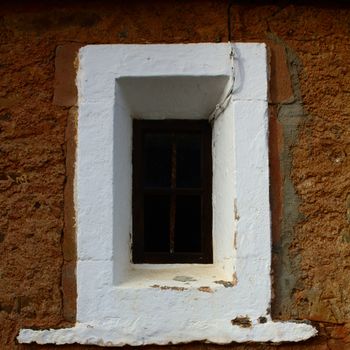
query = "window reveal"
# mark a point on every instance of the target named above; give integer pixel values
(172, 208)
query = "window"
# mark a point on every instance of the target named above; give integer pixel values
(172, 191)
(119, 302)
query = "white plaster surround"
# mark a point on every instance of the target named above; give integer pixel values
(123, 303)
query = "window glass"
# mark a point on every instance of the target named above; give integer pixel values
(172, 192)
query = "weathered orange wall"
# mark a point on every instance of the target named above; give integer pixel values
(309, 150)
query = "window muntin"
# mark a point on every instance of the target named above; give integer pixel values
(172, 191)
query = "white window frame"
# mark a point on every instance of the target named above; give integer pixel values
(123, 303)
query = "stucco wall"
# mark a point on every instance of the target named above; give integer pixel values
(309, 150)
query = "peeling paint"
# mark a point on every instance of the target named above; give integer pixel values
(226, 284)
(179, 289)
(236, 215)
(242, 321)
(205, 289)
(262, 319)
(235, 240)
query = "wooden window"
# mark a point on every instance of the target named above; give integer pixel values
(172, 181)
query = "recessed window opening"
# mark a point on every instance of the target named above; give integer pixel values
(119, 303)
(172, 211)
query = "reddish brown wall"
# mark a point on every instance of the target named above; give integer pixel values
(309, 150)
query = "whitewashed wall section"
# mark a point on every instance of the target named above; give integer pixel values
(121, 303)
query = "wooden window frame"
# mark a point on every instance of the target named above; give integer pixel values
(140, 127)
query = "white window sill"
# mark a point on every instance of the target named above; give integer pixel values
(216, 332)
(119, 303)
(175, 276)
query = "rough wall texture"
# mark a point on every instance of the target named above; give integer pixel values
(309, 150)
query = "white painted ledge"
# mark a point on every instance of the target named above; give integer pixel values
(123, 303)
(131, 334)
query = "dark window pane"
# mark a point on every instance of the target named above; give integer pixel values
(157, 159)
(188, 224)
(172, 192)
(156, 223)
(188, 169)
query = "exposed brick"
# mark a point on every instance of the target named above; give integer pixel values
(65, 91)
(69, 244)
(275, 147)
(280, 81)
(69, 291)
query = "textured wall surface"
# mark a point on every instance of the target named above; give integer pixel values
(309, 150)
